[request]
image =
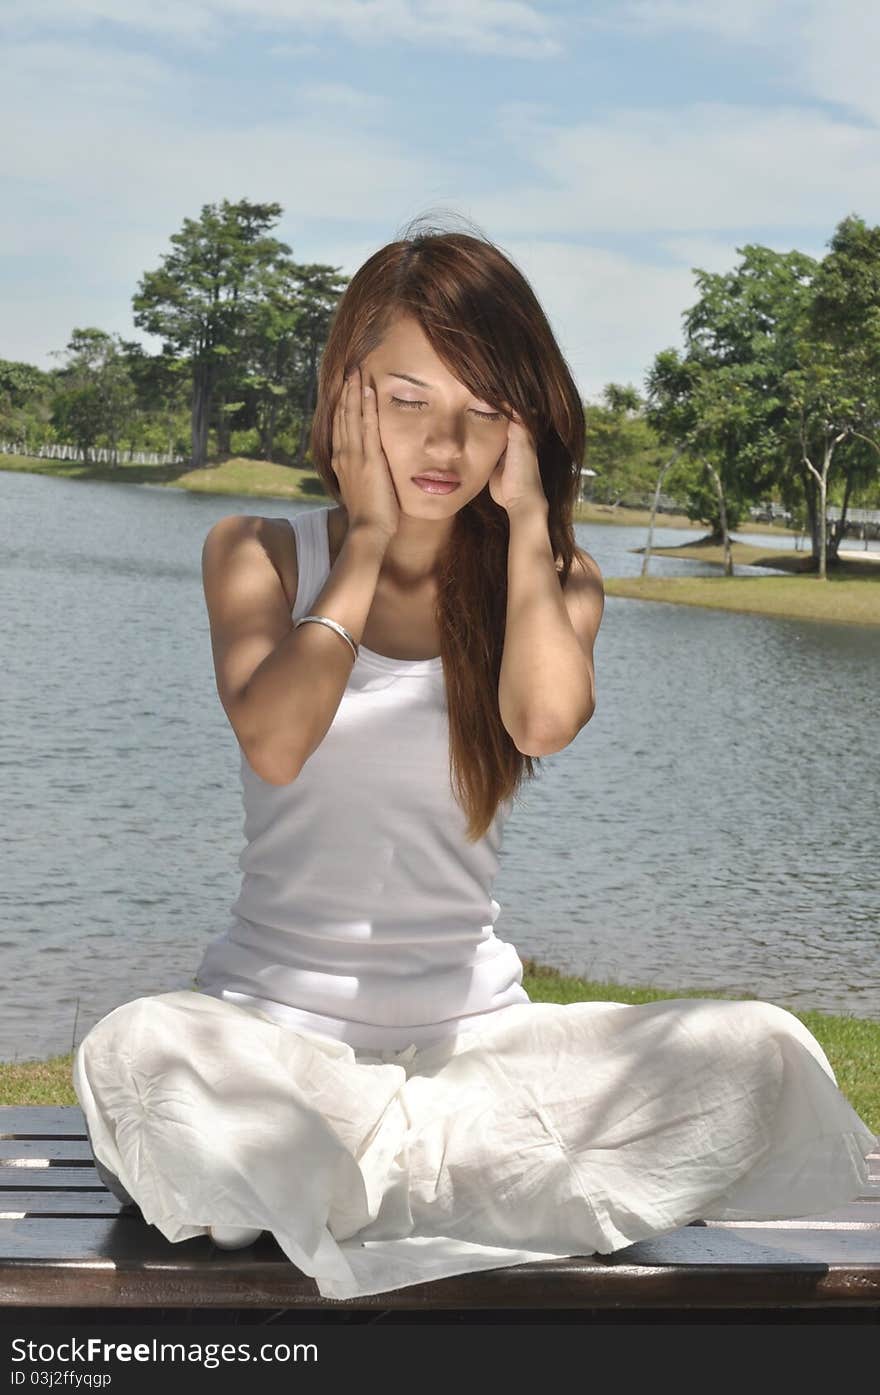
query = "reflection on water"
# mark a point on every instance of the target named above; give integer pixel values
(711, 827)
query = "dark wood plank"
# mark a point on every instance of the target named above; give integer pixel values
(44, 1149)
(56, 1178)
(79, 1202)
(41, 1121)
(768, 1244)
(863, 1214)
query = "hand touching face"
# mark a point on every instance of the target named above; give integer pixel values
(516, 480)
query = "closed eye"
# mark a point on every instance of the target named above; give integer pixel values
(407, 402)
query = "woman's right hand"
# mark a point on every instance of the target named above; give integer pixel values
(360, 463)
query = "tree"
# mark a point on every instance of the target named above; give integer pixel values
(22, 389)
(844, 336)
(737, 328)
(287, 333)
(161, 383)
(204, 296)
(96, 395)
(620, 445)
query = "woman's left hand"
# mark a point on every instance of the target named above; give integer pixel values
(516, 479)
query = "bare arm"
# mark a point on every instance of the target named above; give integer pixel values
(281, 687)
(547, 685)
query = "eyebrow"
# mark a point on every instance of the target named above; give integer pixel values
(410, 379)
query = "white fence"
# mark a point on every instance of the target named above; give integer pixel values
(101, 455)
(854, 515)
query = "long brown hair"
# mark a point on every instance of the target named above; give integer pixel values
(483, 319)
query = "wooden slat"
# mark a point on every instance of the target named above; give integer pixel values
(79, 1202)
(55, 1178)
(66, 1241)
(41, 1120)
(861, 1214)
(21, 1149)
(760, 1245)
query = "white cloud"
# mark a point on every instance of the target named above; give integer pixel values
(342, 98)
(748, 21)
(514, 28)
(702, 165)
(840, 55)
(824, 49)
(185, 21)
(719, 255)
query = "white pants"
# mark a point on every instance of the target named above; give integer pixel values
(552, 1129)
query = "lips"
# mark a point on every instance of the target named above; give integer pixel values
(444, 478)
(430, 484)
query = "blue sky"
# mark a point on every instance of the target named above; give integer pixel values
(608, 148)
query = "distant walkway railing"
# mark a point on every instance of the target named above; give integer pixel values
(854, 515)
(101, 455)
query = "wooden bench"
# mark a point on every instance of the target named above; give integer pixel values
(67, 1243)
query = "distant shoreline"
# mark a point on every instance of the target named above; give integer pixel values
(844, 598)
(264, 479)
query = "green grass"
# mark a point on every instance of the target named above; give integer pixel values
(848, 602)
(852, 1044)
(260, 478)
(849, 595)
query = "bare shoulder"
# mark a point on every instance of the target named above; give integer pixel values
(279, 539)
(274, 536)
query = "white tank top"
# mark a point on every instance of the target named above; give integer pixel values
(364, 913)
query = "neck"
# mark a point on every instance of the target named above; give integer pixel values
(412, 558)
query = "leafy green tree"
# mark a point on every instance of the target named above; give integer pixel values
(96, 395)
(202, 300)
(797, 341)
(737, 327)
(287, 333)
(160, 418)
(620, 447)
(682, 406)
(23, 393)
(838, 394)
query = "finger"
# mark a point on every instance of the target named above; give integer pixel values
(336, 434)
(343, 422)
(353, 406)
(371, 416)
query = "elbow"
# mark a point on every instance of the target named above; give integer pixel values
(271, 769)
(274, 778)
(548, 739)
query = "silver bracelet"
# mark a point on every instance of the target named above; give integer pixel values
(334, 625)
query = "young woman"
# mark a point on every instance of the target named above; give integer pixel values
(362, 1073)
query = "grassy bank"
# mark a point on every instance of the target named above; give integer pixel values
(851, 1044)
(850, 595)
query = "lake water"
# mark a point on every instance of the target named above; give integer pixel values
(713, 826)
